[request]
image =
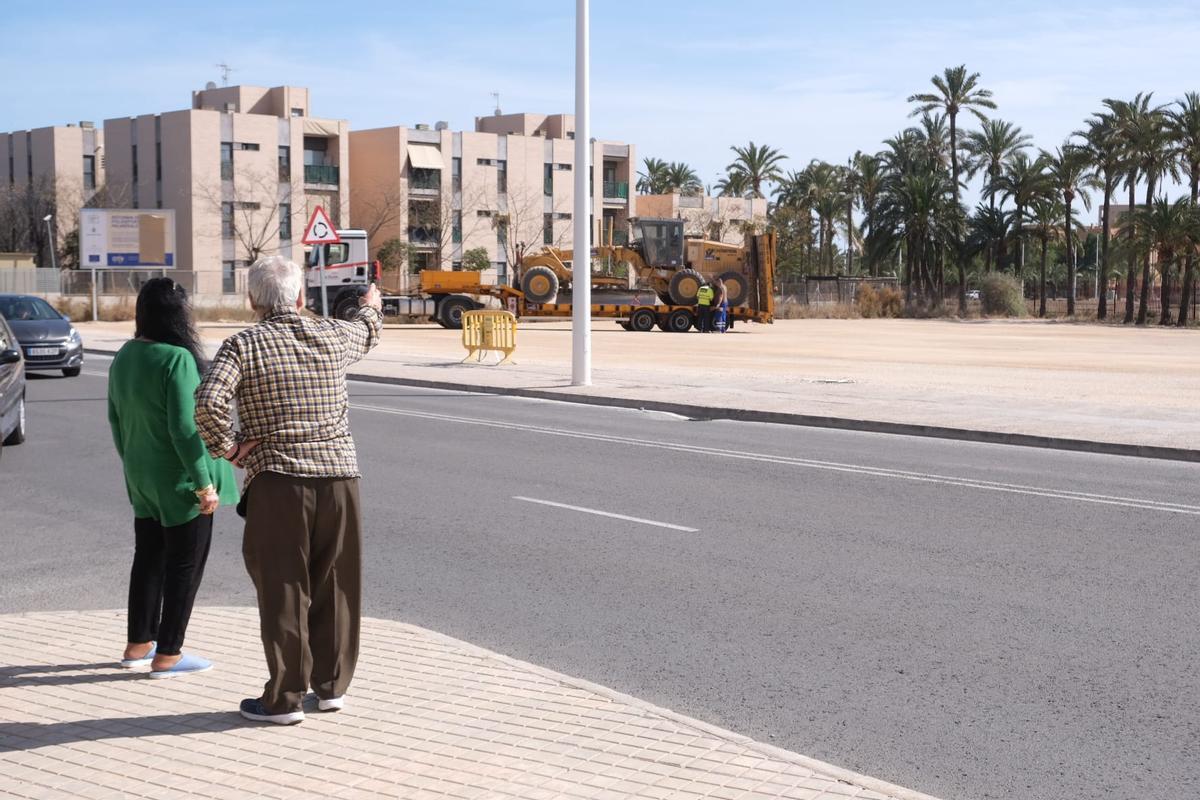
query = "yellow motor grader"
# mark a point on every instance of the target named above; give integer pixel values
(659, 259)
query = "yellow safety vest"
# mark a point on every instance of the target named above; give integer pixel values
(705, 296)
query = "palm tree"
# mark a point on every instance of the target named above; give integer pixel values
(1169, 229)
(870, 185)
(1147, 146)
(759, 162)
(956, 91)
(1067, 173)
(1022, 180)
(990, 148)
(1045, 214)
(679, 177)
(652, 178)
(1105, 153)
(986, 227)
(734, 184)
(1184, 126)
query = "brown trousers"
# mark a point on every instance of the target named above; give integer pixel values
(303, 550)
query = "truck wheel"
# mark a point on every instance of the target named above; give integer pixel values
(540, 285)
(451, 311)
(642, 320)
(684, 286)
(737, 288)
(679, 321)
(346, 308)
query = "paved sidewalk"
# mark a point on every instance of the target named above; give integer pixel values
(428, 717)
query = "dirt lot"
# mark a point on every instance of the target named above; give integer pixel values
(1103, 383)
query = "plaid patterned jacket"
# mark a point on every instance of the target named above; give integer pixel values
(288, 375)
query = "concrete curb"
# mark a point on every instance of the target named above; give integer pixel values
(768, 750)
(785, 418)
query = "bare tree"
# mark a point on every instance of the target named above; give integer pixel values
(256, 213)
(520, 227)
(23, 210)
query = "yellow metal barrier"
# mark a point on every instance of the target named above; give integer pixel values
(489, 330)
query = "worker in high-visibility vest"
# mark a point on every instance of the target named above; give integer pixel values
(704, 299)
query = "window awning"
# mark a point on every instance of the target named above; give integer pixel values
(424, 156)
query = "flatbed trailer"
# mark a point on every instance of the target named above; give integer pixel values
(444, 296)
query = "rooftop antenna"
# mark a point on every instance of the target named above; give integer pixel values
(225, 70)
(496, 95)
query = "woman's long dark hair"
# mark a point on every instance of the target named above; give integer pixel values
(164, 315)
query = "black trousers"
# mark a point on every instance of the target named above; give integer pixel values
(168, 565)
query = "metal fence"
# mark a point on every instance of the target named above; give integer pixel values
(814, 290)
(211, 284)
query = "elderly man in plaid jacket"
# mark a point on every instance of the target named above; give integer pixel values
(303, 539)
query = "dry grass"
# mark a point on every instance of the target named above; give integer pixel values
(238, 313)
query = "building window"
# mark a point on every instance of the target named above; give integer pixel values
(226, 161)
(484, 213)
(502, 234)
(547, 229)
(158, 161)
(285, 222)
(456, 227)
(229, 277)
(253, 146)
(424, 179)
(226, 220)
(570, 134)
(548, 180)
(133, 149)
(563, 167)
(89, 173)
(285, 162)
(486, 162)
(456, 174)
(297, 112)
(316, 151)
(561, 215)
(457, 265)
(502, 177)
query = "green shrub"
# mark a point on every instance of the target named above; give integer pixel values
(476, 260)
(1002, 296)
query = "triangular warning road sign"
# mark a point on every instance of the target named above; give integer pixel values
(320, 229)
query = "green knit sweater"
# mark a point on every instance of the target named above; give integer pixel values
(151, 410)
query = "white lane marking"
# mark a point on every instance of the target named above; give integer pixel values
(95, 374)
(832, 466)
(599, 513)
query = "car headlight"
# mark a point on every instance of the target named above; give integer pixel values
(73, 337)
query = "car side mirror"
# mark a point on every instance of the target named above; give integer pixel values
(10, 356)
(66, 318)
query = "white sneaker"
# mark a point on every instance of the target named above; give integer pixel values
(332, 704)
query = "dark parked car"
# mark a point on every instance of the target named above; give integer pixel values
(12, 388)
(48, 339)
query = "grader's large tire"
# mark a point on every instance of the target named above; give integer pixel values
(540, 285)
(737, 288)
(684, 286)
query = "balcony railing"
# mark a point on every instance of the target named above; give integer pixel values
(424, 186)
(616, 189)
(324, 174)
(226, 170)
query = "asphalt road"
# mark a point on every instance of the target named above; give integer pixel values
(973, 621)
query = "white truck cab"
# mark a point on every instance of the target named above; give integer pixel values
(347, 268)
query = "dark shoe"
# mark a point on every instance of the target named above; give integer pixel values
(253, 708)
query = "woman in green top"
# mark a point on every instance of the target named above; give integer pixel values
(173, 483)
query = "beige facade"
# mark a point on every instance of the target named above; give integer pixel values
(243, 169)
(67, 161)
(507, 184)
(722, 219)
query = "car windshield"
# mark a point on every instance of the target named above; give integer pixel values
(16, 309)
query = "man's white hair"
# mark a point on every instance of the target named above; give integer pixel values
(274, 283)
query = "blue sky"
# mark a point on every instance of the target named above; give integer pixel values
(683, 80)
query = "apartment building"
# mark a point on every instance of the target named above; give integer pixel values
(242, 168)
(505, 185)
(66, 161)
(721, 219)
